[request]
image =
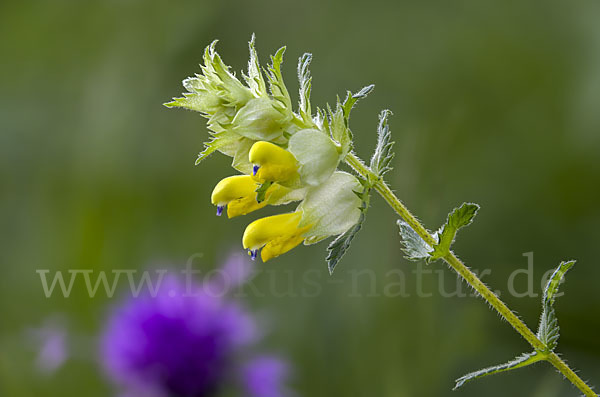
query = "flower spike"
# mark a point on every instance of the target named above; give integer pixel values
(284, 155)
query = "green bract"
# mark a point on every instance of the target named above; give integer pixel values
(332, 207)
(316, 154)
(259, 120)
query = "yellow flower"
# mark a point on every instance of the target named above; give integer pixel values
(327, 210)
(238, 193)
(275, 234)
(272, 163)
(309, 160)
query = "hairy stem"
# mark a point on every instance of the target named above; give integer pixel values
(383, 189)
(555, 360)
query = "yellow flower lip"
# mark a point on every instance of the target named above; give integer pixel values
(238, 193)
(272, 163)
(232, 188)
(275, 234)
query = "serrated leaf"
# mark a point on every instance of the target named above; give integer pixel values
(340, 245)
(276, 83)
(215, 91)
(218, 79)
(220, 141)
(519, 362)
(460, 217)
(549, 331)
(255, 79)
(351, 100)
(380, 162)
(209, 148)
(261, 191)
(415, 247)
(305, 80)
(337, 122)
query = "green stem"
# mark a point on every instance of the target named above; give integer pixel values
(383, 189)
(559, 364)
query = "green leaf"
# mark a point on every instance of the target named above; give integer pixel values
(305, 80)
(380, 162)
(255, 79)
(519, 362)
(209, 148)
(460, 217)
(548, 331)
(276, 83)
(415, 247)
(261, 191)
(337, 122)
(217, 79)
(215, 90)
(351, 100)
(337, 125)
(340, 245)
(220, 141)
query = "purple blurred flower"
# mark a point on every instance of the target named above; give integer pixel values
(236, 270)
(265, 377)
(50, 341)
(182, 342)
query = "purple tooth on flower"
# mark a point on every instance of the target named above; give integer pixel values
(253, 254)
(255, 169)
(220, 209)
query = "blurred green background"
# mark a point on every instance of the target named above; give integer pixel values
(494, 102)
